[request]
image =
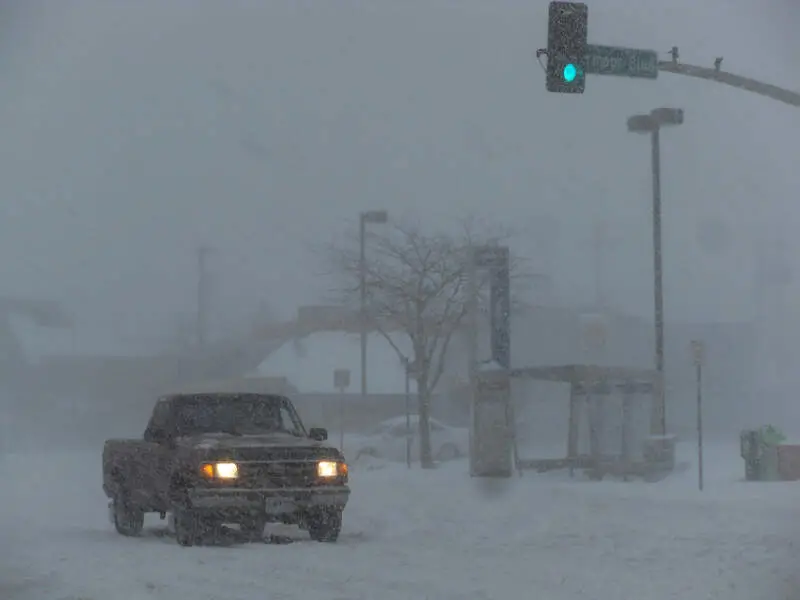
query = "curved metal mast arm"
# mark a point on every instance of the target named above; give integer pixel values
(737, 81)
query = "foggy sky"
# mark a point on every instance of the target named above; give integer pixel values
(134, 131)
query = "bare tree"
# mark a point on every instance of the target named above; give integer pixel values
(417, 284)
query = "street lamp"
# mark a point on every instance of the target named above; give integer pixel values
(652, 124)
(377, 217)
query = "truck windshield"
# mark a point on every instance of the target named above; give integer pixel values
(247, 414)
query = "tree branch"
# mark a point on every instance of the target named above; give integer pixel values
(417, 282)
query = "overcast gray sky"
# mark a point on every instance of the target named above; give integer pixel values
(133, 131)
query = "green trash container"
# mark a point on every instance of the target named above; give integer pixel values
(771, 438)
(759, 449)
(769, 464)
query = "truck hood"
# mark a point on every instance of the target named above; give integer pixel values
(211, 441)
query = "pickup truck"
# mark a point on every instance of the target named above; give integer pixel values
(226, 458)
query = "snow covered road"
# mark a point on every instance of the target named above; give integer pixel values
(414, 535)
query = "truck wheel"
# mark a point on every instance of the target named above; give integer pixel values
(128, 518)
(187, 527)
(325, 525)
(253, 528)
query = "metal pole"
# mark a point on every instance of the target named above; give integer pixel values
(600, 246)
(408, 416)
(743, 83)
(699, 373)
(472, 348)
(341, 419)
(660, 415)
(202, 253)
(362, 271)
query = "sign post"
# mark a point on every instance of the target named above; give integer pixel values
(409, 372)
(698, 352)
(495, 259)
(341, 381)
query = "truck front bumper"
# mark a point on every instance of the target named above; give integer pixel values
(269, 501)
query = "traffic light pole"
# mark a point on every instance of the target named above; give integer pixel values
(716, 74)
(566, 42)
(658, 281)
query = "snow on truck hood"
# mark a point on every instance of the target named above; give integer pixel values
(208, 441)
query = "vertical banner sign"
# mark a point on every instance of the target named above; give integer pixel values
(500, 309)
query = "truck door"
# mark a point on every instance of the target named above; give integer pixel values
(156, 456)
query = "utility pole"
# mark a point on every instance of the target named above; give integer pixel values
(202, 293)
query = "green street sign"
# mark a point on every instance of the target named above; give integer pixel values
(623, 62)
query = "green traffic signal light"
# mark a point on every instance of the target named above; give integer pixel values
(570, 73)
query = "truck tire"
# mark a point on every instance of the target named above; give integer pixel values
(253, 528)
(128, 518)
(188, 531)
(325, 525)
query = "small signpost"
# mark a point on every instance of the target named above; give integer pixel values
(622, 62)
(341, 381)
(698, 352)
(409, 368)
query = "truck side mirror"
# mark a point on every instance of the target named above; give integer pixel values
(320, 434)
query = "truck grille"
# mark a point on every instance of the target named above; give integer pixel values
(282, 454)
(277, 474)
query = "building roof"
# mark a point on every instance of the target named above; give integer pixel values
(38, 343)
(309, 362)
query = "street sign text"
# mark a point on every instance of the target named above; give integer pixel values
(623, 62)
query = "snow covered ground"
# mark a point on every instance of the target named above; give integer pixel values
(420, 535)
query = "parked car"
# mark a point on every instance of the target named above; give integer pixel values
(388, 440)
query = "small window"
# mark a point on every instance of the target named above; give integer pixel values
(161, 413)
(287, 420)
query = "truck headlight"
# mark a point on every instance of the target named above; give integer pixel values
(221, 470)
(330, 468)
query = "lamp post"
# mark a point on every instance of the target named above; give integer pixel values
(370, 216)
(652, 124)
(202, 295)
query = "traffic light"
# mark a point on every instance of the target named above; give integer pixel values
(566, 45)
